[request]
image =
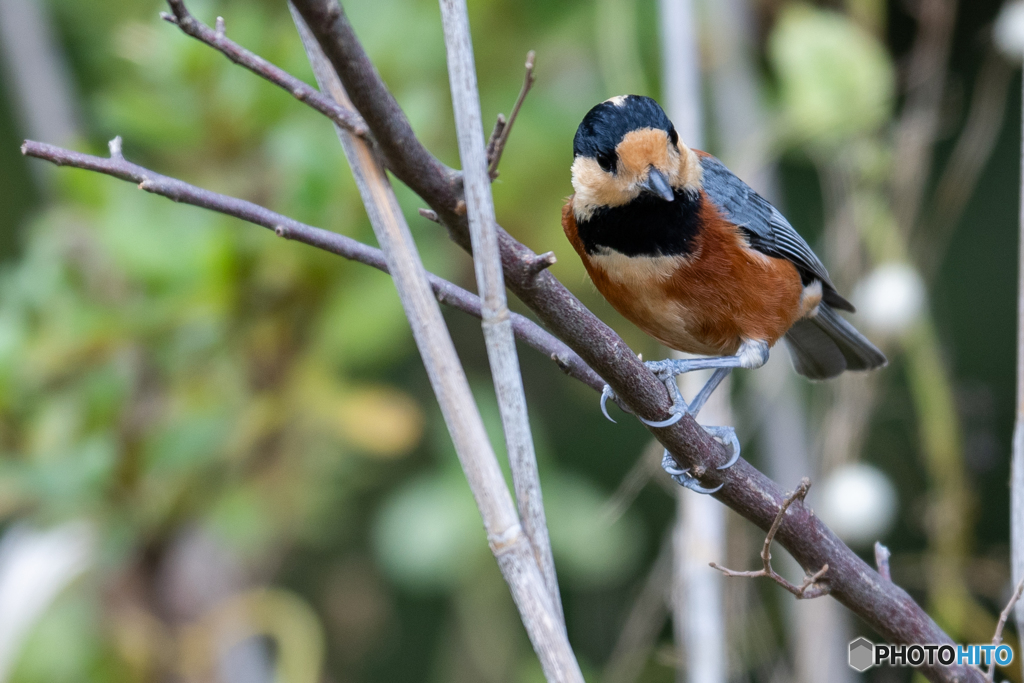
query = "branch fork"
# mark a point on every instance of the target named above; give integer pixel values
(811, 586)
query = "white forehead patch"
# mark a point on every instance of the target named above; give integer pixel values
(618, 100)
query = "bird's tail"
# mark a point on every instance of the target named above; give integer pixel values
(825, 344)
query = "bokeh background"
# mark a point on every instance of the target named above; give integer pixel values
(220, 459)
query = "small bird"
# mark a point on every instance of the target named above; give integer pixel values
(695, 258)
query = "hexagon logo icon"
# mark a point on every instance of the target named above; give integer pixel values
(862, 654)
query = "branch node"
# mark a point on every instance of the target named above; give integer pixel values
(561, 360)
(499, 125)
(219, 28)
(460, 208)
(430, 215)
(169, 18)
(535, 263)
(882, 555)
(280, 231)
(810, 587)
(115, 148)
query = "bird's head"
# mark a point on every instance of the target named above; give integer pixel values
(626, 148)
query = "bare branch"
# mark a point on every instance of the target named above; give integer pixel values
(215, 38)
(810, 588)
(882, 556)
(997, 638)
(514, 550)
(179, 191)
(501, 346)
(502, 129)
(430, 215)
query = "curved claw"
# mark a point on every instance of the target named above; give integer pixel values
(694, 485)
(606, 394)
(676, 417)
(728, 437)
(683, 477)
(668, 463)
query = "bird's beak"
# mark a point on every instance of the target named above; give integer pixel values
(657, 185)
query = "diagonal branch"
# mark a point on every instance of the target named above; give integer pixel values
(810, 588)
(445, 292)
(511, 547)
(497, 325)
(215, 38)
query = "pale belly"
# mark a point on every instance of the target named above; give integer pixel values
(636, 288)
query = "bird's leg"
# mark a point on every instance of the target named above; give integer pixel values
(751, 354)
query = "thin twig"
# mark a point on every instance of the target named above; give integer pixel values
(501, 346)
(215, 38)
(997, 638)
(882, 555)
(179, 191)
(511, 547)
(810, 588)
(495, 150)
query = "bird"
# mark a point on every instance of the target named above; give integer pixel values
(694, 257)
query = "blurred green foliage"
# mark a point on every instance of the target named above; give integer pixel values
(166, 372)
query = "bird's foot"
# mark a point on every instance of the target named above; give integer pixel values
(683, 477)
(679, 407)
(726, 435)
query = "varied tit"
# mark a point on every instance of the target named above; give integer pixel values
(695, 258)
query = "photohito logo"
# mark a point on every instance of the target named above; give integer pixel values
(864, 654)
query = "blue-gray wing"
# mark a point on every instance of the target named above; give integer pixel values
(766, 229)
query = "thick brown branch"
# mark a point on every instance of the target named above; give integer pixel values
(215, 38)
(810, 588)
(447, 293)
(502, 129)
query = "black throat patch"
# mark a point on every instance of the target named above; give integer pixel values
(647, 226)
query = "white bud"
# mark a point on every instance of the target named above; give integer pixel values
(890, 299)
(858, 502)
(1009, 30)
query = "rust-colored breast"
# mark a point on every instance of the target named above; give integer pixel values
(707, 302)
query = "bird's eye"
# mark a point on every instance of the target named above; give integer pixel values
(607, 161)
(673, 136)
